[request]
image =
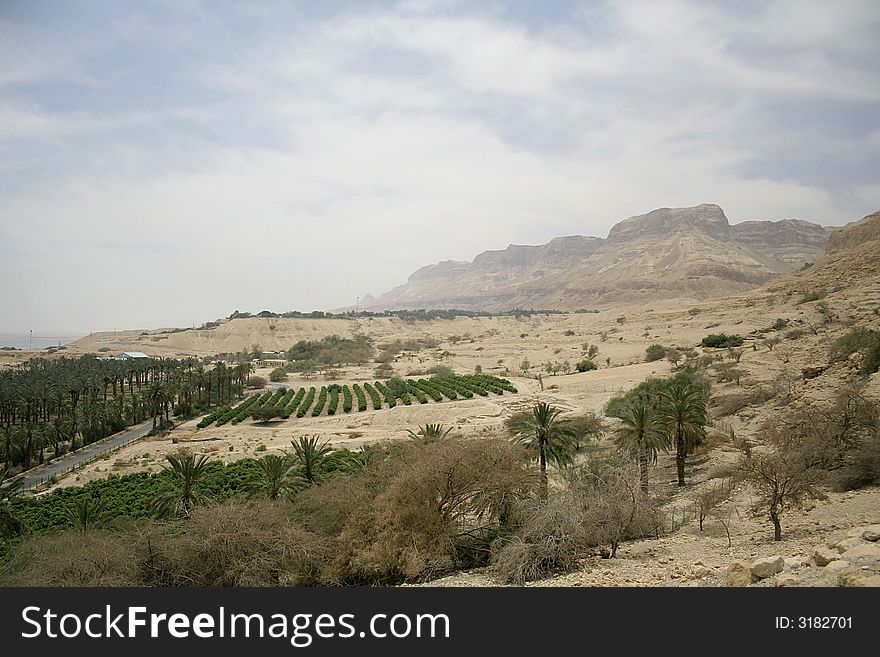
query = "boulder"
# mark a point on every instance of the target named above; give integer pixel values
(822, 556)
(699, 572)
(767, 567)
(848, 544)
(739, 573)
(796, 562)
(812, 372)
(864, 550)
(838, 566)
(858, 578)
(788, 580)
(870, 533)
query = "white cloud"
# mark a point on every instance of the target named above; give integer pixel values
(305, 169)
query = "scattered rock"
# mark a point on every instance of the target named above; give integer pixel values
(796, 562)
(701, 571)
(848, 544)
(767, 567)
(812, 372)
(788, 580)
(870, 533)
(739, 573)
(868, 550)
(822, 556)
(858, 578)
(838, 566)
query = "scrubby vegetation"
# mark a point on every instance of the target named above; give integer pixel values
(721, 340)
(654, 352)
(331, 350)
(600, 506)
(369, 518)
(861, 341)
(585, 365)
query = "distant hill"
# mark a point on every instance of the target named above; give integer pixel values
(850, 266)
(688, 253)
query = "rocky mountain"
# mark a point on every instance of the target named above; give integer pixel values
(865, 230)
(851, 266)
(691, 253)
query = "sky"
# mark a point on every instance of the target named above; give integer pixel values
(166, 163)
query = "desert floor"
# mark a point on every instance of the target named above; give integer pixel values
(770, 384)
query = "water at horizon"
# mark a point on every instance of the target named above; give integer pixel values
(37, 342)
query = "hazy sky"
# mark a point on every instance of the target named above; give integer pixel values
(165, 163)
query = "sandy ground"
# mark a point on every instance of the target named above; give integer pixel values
(690, 557)
(499, 345)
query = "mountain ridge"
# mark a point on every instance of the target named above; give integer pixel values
(692, 253)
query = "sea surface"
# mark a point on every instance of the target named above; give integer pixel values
(37, 342)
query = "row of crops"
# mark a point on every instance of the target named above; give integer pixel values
(359, 398)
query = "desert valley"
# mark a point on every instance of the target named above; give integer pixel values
(773, 328)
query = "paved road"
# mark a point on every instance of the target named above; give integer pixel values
(65, 463)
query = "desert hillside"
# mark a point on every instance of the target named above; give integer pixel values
(683, 253)
(784, 369)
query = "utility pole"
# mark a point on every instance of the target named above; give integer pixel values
(31, 340)
(357, 304)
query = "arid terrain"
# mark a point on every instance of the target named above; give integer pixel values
(815, 306)
(669, 253)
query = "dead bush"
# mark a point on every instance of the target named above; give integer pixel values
(861, 468)
(602, 505)
(706, 501)
(434, 501)
(233, 544)
(553, 537)
(790, 470)
(97, 557)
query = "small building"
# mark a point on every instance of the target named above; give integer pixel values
(130, 355)
(271, 362)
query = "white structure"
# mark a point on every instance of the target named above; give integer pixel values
(128, 355)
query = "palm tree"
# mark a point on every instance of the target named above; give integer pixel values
(546, 435)
(429, 432)
(159, 396)
(186, 471)
(7, 445)
(309, 455)
(682, 416)
(277, 478)
(29, 440)
(85, 513)
(638, 435)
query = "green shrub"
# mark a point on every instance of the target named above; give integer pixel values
(654, 352)
(859, 340)
(813, 295)
(585, 365)
(721, 340)
(266, 413)
(440, 371)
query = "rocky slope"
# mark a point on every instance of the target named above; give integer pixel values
(851, 265)
(692, 253)
(865, 230)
